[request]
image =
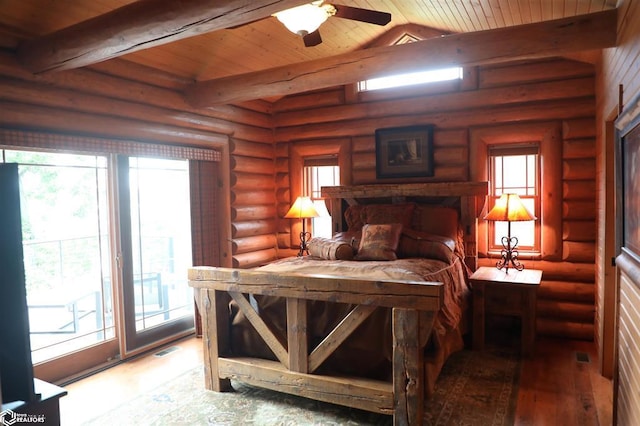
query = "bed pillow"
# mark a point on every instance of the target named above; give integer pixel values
(389, 213)
(422, 244)
(353, 217)
(379, 241)
(350, 237)
(325, 248)
(438, 220)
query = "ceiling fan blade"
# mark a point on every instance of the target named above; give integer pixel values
(362, 15)
(312, 39)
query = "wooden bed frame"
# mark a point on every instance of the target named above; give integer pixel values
(414, 307)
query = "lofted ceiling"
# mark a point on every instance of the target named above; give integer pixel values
(263, 44)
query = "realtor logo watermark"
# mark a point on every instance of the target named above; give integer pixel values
(9, 418)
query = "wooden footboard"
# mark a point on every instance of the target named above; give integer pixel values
(414, 305)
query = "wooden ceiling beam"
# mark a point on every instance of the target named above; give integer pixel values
(140, 25)
(543, 39)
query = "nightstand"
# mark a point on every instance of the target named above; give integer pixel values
(512, 294)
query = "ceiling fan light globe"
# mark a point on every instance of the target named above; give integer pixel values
(303, 19)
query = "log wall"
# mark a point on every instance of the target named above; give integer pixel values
(121, 100)
(558, 93)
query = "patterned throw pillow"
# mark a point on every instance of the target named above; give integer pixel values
(379, 242)
(325, 248)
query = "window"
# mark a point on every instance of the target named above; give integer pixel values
(66, 248)
(104, 247)
(413, 78)
(515, 169)
(409, 79)
(319, 172)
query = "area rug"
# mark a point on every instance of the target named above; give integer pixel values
(474, 388)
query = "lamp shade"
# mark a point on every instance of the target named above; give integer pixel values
(509, 208)
(305, 19)
(302, 208)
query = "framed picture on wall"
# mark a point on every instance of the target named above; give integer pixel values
(628, 180)
(404, 152)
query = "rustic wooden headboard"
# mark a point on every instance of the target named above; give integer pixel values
(469, 197)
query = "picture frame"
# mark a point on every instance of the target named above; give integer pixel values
(404, 152)
(628, 180)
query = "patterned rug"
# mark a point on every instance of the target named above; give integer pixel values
(474, 388)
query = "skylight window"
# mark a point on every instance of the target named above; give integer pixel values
(401, 80)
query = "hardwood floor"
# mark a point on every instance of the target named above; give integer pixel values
(558, 385)
(103, 391)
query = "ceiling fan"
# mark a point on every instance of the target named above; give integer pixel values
(306, 19)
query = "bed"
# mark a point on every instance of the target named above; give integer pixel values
(367, 333)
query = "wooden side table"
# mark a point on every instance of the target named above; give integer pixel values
(513, 294)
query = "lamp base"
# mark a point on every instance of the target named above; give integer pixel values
(509, 255)
(304, 237)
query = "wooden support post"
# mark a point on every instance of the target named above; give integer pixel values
(297, 335)
(215, 337)
(408, 368)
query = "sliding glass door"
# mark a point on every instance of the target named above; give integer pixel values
(107, 243)
(67, 258)
(155, 238)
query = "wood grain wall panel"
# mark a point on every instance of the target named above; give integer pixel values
(245, 180)
(364, 160)
(575, 169)
(255, 243)
(567, 291)
(554, 94)
(239, 147)
(553, 109)
(575, 251)
(579, 210)
(283, 196)
(240, 164)
(628, 404)
(543, 71)
(451, 155)
(575, 312)
(86, 81)
(579, 148)
(564, 329)
(241, 197)
(310, 100)
(619, 67)
(578, 128)
(578, 189)
(44, 118)
(254, 258)
(578, 230)
(73, 101)
(252, 212)
(253, 228)
(362, 143)
(454, 137)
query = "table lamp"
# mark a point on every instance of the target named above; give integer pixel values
(303, 209)
(509, 208)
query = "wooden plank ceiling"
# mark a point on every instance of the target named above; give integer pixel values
(266, 43)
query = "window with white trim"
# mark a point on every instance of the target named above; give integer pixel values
(515, 169)
(319, 172)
